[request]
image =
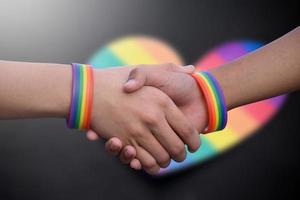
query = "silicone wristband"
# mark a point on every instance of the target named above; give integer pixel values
(215, 101)
(82, 96)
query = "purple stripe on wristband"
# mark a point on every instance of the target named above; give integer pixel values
(221, 101)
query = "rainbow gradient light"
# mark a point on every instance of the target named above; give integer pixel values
(242, 122)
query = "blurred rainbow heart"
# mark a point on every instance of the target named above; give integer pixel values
(242, 122)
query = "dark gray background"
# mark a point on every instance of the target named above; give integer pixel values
(42, 159)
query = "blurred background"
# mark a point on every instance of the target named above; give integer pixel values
(42, 159)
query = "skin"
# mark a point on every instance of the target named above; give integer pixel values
(267, 72)
(181, 87)
(147, 120)
(158, 112)
(25, 92)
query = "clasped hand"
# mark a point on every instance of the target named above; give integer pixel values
(151, 113)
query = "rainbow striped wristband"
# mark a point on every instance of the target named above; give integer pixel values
(82, 96)
(216, 106)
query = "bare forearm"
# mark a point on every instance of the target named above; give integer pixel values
(270, 71)
(30, 90)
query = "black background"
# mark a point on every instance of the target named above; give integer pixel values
(42, 159)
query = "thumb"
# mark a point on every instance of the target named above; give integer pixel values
(136, 80)
(152, 76)
(188, 69)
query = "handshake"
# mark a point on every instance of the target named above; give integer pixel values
(148, 114)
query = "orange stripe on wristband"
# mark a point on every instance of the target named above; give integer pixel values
(217, 114)
(82, 97)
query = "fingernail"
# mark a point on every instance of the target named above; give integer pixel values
(113, 147)
(189, 66)
(130, 82)
(191, 150)
(127, 153)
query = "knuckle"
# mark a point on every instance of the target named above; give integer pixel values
(152, 118)
(135, 132)
(187, 130)
(163, 100)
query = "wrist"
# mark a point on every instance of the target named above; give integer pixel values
(82, 95)
(227, 85)
(62, 85)
(214, 99)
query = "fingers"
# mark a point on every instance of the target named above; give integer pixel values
(136, 80)
(171, 67)
(151, 75)
(136, 164)
(91, 135)
(184, 129)
(156, 150)
(113, 146)
(169, 139)
(147, 162)
(127, 154)
(188, 69)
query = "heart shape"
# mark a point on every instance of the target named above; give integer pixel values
(242, 122)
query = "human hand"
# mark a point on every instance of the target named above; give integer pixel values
(181, 87)
(148, 120)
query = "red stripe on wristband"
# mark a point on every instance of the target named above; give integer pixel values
(216, 106)
(82, 96)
